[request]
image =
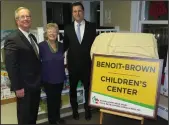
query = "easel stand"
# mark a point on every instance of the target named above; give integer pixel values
(119, 114)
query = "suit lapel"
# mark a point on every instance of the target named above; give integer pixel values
(85, 31)
(24, 39)
(74, 33)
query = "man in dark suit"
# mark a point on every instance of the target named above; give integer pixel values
(23, 67)
(78, 38)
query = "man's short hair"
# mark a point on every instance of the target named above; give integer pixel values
(18, 9)
(78, 4)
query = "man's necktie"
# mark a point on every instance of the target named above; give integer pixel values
(33, 44)
(78, 32)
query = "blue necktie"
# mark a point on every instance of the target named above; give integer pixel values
(78, 32)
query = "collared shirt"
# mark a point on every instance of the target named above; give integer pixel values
(26, 35)
(82, 28)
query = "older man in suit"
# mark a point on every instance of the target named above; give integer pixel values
(23, 67)
(78, 38)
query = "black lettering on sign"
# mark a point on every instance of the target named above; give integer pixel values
(98, 64)
(144, 84)
(102, 78)
(130, 82)
(109, 65)
(122, 90)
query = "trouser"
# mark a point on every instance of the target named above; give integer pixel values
(27, 107)
(85, 79)
(53, 93)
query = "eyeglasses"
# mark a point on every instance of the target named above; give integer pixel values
(24, 17)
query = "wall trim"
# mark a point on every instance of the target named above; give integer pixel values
(101, 13)
(135, 15)
(44, 13)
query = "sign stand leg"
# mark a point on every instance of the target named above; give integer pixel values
(101, 117)
(120, 114)
(142, 121)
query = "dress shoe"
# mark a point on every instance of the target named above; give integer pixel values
(60, 121)
(76, 115)
(88, 115)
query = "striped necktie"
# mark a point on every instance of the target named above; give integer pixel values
(33, 44)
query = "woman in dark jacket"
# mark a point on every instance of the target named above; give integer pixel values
(53, 71)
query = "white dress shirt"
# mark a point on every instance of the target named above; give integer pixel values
(26, 35)
(82, 28)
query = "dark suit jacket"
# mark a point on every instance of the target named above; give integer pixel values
(78, 56)
(22, 64)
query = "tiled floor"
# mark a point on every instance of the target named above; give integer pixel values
(8, 116)
(113, 120)
(94, 120)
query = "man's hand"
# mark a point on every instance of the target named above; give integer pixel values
(20, 93)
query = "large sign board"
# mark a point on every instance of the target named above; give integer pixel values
(126, 84)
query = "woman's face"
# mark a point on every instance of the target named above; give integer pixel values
(52, 34)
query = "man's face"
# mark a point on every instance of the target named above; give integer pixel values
(24, 20)
(78, 13)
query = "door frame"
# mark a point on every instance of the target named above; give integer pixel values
(70, 1)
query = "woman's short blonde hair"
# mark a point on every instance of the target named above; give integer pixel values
(48, 26)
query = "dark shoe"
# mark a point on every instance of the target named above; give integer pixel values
(88, 115)
(76, 115)
(60, 121)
